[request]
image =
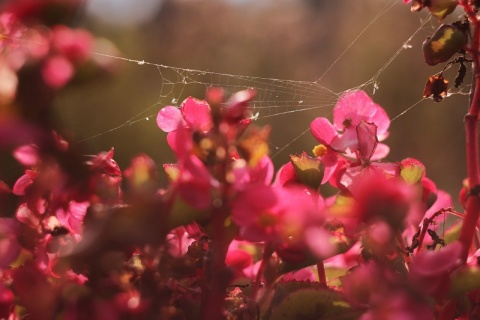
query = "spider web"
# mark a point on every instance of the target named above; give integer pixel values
(291, 100)
(275, 97)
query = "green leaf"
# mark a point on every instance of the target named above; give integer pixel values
(314, 303)
(183, 214)
(452, 234)
(445, 42)
(464, 280)
(442, 8)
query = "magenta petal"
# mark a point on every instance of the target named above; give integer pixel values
(250, 205)
(21, 185)
(382, 121)
(381, 151)
(432, 263)
(367, 139)
(353, 106)
(444, 200)
(78, 209)
(27, 155)
(197, 114)
(347, 142)
(195, 183)
(238, 104)
(263, 172)
(180, 141)
(318, 240)
(169, 118)
(389, 168)
(285, 175)
(330, 160)
(323, 130)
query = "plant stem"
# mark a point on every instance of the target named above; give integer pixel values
(267, 253)
(472, 211)
(322, 278)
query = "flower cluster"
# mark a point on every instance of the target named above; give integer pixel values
(336, 234)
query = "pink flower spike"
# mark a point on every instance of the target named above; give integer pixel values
(196, 114)
(27, 155)
(57, 71)
(169, 118)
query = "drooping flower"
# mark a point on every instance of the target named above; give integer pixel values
(365, 167)
(352, 108)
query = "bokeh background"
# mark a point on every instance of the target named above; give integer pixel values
(281, 39)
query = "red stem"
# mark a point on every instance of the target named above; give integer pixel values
(472, 212)
(322, 278)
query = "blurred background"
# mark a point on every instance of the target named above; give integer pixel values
(297, 40)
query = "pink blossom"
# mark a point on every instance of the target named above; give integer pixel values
(388, 199)
(57, 71)
(193, 115)
(352, 108)
(246, 176)
(73, 44)
(195, 183)
(367, 144)
(430, 269)
(266, 213)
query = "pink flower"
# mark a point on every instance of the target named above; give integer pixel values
(193, 115)
(430, 270)
(192, 180)
(352, 108)
(387, 199)
(73, 44)
(367, 144)
(57, 71)
(266, 213)
(246, 176)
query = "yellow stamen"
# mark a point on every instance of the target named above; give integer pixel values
(319, 150)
